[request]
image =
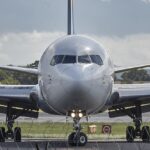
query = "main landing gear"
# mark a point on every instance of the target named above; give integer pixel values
(77, 138)
(10, 133)
(137, 131)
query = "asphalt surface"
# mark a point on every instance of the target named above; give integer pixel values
(63, 145)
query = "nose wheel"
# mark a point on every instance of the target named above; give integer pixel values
(77, 138)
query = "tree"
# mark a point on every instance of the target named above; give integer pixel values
(33, 65)
(6, 78)
(13, 77)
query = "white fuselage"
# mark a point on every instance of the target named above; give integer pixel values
(75, 86)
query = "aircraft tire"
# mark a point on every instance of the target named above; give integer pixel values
(2, 134)
(82, 139)
(145, 134)
(71, 139)
(130, 134)
(17, 134)
(77, 140)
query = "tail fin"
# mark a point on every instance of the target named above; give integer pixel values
(70, 18)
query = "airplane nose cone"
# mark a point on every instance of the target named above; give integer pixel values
(77, 73)
(78, 88)
(73, 80)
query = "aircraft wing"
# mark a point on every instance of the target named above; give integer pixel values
(19, 99)
(20, 69)
(121, 69)
(127, 96)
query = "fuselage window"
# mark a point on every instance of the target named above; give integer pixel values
(68, 59)
(96, 59)
(84, 59)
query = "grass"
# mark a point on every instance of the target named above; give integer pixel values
(62, 130)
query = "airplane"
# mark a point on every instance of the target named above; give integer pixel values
(75, 79)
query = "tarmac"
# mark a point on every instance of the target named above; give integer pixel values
(63, 145)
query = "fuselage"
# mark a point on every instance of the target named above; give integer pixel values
(76, 73)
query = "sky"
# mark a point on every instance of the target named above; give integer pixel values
(27, 27)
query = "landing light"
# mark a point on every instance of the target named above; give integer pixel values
(73, 115)
(80, 115)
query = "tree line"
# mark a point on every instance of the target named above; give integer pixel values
(17, 78)
(133, 76)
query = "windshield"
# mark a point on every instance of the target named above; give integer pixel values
(96, 59)
(71, 59)
(57, 60)
(65, 59)
(90, 59)
(84, 59)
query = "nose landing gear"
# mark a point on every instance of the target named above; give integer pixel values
(77, 138)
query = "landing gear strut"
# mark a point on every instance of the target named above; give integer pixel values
(10, 133)
(137, 132)
(77, 138)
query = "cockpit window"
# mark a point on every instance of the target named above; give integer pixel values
(65, 59)
(96, 59)
(69, 59)
(84, 59)
(57, 59)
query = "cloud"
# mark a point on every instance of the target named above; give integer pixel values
(128, 50)
(26, 47)
(106, 0)
(146, 1)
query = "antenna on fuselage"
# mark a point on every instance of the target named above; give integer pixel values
(70, 18)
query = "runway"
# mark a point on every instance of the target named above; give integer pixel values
(63, 145)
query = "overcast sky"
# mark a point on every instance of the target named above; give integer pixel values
(27, 27)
